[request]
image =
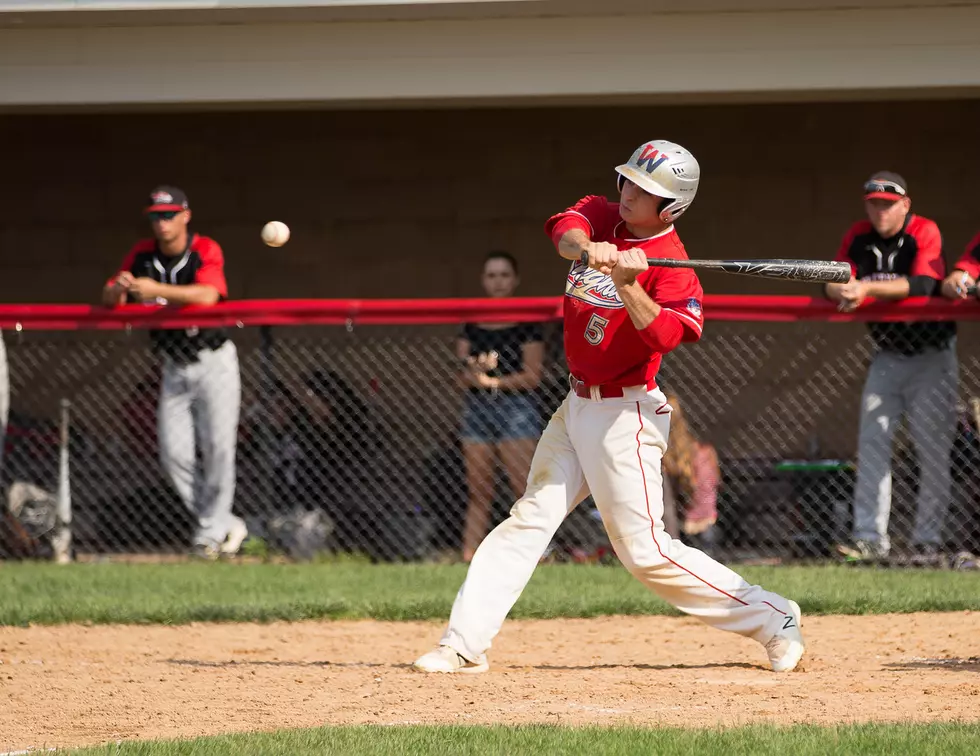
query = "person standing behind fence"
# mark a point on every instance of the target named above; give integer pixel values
(200, 393)
(894, 255)
(501, 366)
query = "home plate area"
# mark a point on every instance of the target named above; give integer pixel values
(78, 685)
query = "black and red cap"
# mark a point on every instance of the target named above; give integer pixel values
(886, 185)
(165, 198)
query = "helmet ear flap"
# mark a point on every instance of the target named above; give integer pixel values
(663, 209)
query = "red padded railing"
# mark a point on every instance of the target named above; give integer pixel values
(434, 311)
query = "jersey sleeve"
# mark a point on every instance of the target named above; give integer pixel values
(678, 291)
(593, 215)
(929, 257)
(212, 270)
(844, 253)
(970, 261)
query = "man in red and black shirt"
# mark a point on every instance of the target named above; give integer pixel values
(963, 279)
(200, 392)
(894, 255)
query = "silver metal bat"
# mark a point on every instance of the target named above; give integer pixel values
(793, 270)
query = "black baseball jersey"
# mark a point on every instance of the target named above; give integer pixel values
(201, 263)
(915, 252)
(507, 342)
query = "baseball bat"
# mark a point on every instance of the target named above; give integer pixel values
(792, 270)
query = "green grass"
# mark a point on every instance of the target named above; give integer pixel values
(43, 593)
(946, 739)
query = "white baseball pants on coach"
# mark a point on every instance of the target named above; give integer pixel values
(613, 449)
(199, 406)
(925, 386)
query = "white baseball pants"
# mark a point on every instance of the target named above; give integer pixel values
(613, 449)
(199, 406)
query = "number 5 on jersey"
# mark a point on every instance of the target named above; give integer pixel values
(595, 331)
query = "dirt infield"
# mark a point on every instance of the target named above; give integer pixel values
(77, 685)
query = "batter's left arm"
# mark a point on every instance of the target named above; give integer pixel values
(662, 331)
(641, 308)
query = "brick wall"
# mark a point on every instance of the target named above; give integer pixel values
(404, 203)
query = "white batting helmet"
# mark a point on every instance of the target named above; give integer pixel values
(666, 170)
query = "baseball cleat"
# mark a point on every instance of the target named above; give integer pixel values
(237, 533)
(786, 647)
(447, 661)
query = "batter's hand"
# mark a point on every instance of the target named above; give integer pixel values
(632, 263)
(603, 256)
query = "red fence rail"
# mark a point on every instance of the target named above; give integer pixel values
(260, 312)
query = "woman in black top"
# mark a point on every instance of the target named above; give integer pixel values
(501, 423)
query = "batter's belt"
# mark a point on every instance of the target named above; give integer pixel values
(601, 391)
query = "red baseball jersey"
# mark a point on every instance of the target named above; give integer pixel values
(970, 262)
(602, 346)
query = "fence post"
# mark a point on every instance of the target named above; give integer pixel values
(61, 541)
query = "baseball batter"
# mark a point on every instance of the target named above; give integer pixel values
(610, 433)
(200, 394)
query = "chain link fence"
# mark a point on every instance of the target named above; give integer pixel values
(348, 441)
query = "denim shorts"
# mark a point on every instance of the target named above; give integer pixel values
(489, 418)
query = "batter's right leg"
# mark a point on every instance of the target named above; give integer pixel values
(506, 559)
(881, 409)
(621, 445)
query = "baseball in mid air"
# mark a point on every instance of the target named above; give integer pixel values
(275, 233)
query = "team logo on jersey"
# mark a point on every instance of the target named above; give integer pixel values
(592, 287)
(694, 307)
